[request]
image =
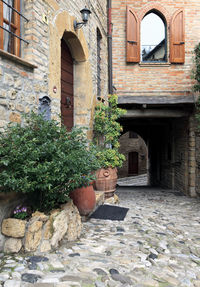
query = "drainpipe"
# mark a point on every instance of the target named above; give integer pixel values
(110, 75)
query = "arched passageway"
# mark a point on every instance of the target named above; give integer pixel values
(167, 140)
(134, 148)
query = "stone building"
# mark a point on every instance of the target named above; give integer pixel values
(133, 147)
(157, 91)
(48, 65)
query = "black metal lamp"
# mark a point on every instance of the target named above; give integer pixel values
(85, 12)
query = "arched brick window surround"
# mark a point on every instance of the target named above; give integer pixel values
(157, 8)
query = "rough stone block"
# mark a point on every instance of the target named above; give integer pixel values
(45, 246)
(33, 236)
(13, 227)
(15, 117)
(12, 245)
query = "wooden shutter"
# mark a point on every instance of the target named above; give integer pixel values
(177, 38)
(17, 31)
(132, 37)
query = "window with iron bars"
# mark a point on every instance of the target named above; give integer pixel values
(10, 26)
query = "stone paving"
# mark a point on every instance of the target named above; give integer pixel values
(158, 244)
(139, 180)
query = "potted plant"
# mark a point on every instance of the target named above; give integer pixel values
(107, 131)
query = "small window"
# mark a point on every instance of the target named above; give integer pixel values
(10, 22)
(153, 39)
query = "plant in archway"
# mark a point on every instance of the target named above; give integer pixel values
(45, 162)
(107, 131)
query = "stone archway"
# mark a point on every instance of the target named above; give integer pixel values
(84, 99)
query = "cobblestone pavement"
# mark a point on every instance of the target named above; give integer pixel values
(139, 180)
(158, 244)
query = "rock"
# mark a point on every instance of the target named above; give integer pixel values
(4, 276)
(60, 226)
(31, 278)
(36, 259)
(112, 200)
(99, 284)
(40, 216)
(57, 264)
(74, 254)
(196, 283)
(12, 283)
(12, 245)
(113, 271)
(19, 268)
(74, 222)
(33, 236)
(13, 227)
(121, 278)
(100, 271)
(45, 246)
(34, 226)
(48, 229)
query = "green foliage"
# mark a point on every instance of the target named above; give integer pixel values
(107, 131)
(44, 161)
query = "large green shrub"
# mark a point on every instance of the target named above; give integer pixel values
(107, 131)
(44, 161)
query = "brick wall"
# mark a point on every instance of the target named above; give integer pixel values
(140, 79)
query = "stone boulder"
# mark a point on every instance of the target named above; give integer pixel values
(74, 222)
(13, 227)
(12, 245)
(33, 236)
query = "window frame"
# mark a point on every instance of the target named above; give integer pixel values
(175, 24)
(160, 15)
(16, 9)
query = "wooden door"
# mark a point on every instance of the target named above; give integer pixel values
(132, 163)
(67, 87)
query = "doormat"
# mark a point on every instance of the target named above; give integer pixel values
(110, 212)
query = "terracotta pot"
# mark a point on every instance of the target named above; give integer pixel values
(106, 181)
(84, 198)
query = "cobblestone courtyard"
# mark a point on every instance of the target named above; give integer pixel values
(158, 244)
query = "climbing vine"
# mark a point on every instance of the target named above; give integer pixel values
(107, 131)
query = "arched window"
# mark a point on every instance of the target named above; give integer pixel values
(153, 38)
(152, 30)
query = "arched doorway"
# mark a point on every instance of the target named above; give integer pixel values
(67, 87)
(133, 163)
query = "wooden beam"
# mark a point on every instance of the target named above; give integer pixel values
(156, 100)
(155, 113)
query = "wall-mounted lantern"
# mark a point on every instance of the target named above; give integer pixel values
(85, 12)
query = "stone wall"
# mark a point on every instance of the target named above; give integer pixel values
(133, 145)
(24, 80)
(41, 232)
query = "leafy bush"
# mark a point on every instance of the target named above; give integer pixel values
(44, 161)
(107, 131)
